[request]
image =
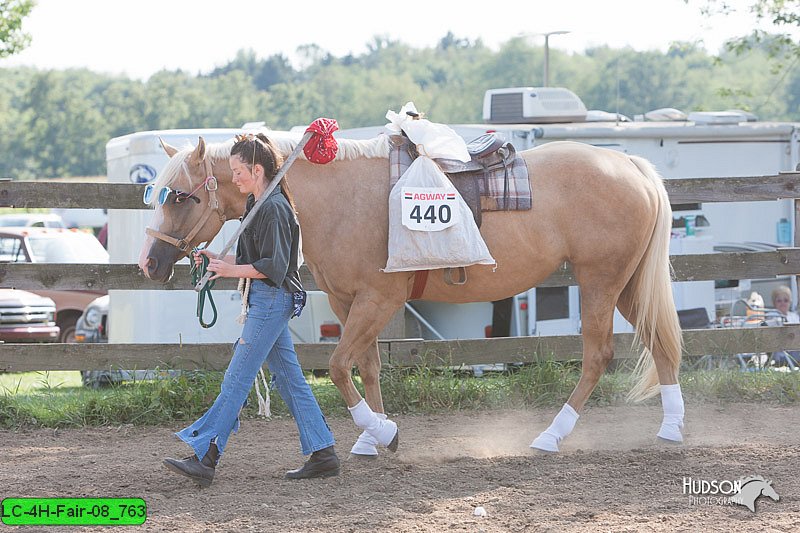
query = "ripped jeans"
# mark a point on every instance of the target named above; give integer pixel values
(265, 336)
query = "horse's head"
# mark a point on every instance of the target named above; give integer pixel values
(189, 207)
(769, 491)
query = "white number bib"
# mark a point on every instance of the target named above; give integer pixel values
(429, 208)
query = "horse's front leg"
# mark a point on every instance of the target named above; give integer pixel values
(369, 367)
(369, 313)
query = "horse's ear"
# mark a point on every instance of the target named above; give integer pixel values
(171, 150)
(200, 151)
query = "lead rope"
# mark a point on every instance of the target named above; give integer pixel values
(263, 399)
(197, 272)
(244, 290)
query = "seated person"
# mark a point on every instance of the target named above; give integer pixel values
(782, 302)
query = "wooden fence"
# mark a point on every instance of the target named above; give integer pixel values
(26, 276)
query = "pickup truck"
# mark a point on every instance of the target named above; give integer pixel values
(55, 245)
(27, 317)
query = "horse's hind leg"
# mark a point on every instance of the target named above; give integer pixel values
(597, 319)
(671, 395)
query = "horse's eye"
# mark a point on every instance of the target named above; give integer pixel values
(180, 197)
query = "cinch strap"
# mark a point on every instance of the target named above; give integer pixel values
(420, 280)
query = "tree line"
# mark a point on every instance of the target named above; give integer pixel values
(56, 122)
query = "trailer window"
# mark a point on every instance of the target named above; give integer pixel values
(552, 303)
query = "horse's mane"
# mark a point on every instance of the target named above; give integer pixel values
(750, 479)
(349, 149)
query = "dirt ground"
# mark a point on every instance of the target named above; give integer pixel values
(610, 476)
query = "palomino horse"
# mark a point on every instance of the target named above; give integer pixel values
(605, 212)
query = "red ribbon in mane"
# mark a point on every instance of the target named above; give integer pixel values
(321, 148)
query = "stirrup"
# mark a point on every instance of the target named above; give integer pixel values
(462, 276)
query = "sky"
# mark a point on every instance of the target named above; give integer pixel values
(140, 37)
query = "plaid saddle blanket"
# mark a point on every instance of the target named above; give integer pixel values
(499, 179)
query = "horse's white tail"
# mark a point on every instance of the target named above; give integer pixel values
(657, 326)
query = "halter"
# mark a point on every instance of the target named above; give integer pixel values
(211, 186)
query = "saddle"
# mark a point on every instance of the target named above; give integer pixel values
(489, 156)
(494, 179)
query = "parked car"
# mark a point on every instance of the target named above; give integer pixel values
(48, 245)
(32, 220)
(82, 218)
(92, 327)
(27, 317)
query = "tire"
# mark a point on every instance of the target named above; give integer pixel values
(67, 325)
(95, 380)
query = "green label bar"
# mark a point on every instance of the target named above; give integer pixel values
(73, 511)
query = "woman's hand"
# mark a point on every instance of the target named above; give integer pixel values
(198, 257)
(222, 269)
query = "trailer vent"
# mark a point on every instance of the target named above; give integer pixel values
(506, 108)
(520, 105)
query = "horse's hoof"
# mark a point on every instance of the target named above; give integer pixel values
(662, 440)
(539, 451)
(362, 457)
(395, 442)
(670, 433)
(545, 442)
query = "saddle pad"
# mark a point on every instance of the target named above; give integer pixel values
(491, 182)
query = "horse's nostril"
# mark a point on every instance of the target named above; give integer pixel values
(151, 264)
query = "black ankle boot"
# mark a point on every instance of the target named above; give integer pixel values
(322, 463)
(200, 471)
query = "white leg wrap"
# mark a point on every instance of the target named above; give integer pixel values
(672, 403)
(381, 429)
(366, 443)
(562, 425)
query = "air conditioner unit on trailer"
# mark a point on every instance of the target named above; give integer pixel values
(520, 105)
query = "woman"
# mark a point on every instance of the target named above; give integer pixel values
(782, 302)
(267, 258)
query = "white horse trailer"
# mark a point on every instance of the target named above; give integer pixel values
(707, 144)
(169, 316)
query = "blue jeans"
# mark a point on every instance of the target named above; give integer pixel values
(265, 336)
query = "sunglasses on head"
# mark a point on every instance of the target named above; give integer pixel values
(164, 194)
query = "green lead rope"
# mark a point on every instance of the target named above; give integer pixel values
(197, 273)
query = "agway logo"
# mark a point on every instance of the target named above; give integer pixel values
(430, 196)
(744, 491)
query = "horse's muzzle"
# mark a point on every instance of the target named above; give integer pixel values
(150, 268)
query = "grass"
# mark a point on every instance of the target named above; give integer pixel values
(57, 399)
(25, 382)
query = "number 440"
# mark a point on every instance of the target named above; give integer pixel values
(430, 214)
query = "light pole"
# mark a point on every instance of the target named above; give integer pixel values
(547, 53)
